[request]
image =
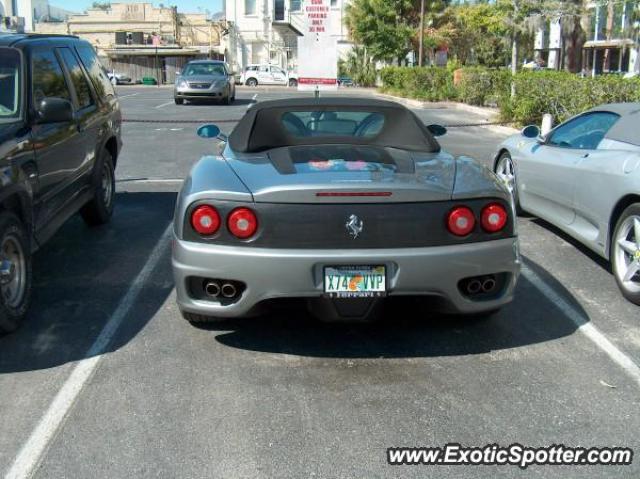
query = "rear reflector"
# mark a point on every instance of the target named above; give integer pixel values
(242, 223)
(494, 218)
(353, 193)
(461, 221)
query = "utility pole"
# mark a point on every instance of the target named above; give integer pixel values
(420, 49)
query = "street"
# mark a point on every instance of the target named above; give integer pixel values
(285, 395)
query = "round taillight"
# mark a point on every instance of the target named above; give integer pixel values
(242, 222)
(494, 218)
(205, 220)
(461, 221)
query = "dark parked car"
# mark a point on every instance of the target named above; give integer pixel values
(59, 141)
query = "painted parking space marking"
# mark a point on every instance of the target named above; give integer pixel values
(38, 442)
(584, 326)
(164, 104)
(127, 96)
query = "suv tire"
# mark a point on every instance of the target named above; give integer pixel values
(99, 210)
(252, 82)
(293, 83)
(179, 101)
(15, 289)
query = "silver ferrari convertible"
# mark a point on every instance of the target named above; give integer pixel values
(341, 202)
(584, 177)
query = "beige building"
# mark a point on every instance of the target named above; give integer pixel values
(138, 39)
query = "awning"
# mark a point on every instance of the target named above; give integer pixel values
(149, 52)
(618, 43)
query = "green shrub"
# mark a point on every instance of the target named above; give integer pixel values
(561, 94)
(484, 86)
(427, 83)
(564, 95)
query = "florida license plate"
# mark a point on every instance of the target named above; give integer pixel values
(355, 281)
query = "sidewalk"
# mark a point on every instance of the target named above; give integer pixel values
(490, 115)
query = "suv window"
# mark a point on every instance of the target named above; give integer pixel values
(80, 82)
(10, 84)
(96, 71)
(48, 79)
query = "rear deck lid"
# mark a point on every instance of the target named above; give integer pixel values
(345, 174)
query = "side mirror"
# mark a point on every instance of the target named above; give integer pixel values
(211, 131)
(437, 130)
(54, 110)
(531, 131)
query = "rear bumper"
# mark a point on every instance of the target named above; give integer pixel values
(273, 273)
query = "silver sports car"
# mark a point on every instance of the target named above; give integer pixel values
(342, 202)
(584, 177)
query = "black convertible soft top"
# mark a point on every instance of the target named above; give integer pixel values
(262, 128)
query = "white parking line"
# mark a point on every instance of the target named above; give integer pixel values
(127, 96)
(585, 327)
(253, 101)
(164, 104)
(33, 450)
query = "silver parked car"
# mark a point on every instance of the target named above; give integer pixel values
(340, 201)
(205, 79)
(584, 177)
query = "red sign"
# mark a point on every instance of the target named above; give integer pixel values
(317, 12)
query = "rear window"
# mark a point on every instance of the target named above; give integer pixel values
(357, 124)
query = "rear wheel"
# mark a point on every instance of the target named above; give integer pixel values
(99, 210)
(625, 253)
(252, 82)
(293, 83)
(179, 101)
(15, 272)
(507, 174)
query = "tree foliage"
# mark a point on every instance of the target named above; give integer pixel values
(359, 66)
(97, 5)
(477, 33)
(385, 27)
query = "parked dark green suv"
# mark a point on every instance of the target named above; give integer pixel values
(59, 142)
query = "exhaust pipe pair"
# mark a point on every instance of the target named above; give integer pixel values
(214, 290)
(479, 285)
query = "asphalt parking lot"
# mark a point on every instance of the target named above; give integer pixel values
(105, 379)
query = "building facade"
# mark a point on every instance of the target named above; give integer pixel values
(140, 40)
(609, 42)
(267, 31)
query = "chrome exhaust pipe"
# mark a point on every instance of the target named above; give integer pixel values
(488, 285)
(212, 288)
(474, 286)
(228, 290)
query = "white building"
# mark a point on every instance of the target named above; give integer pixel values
(32, 11)
(266, 31)
(611, 39)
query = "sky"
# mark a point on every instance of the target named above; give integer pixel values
(185, 6)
